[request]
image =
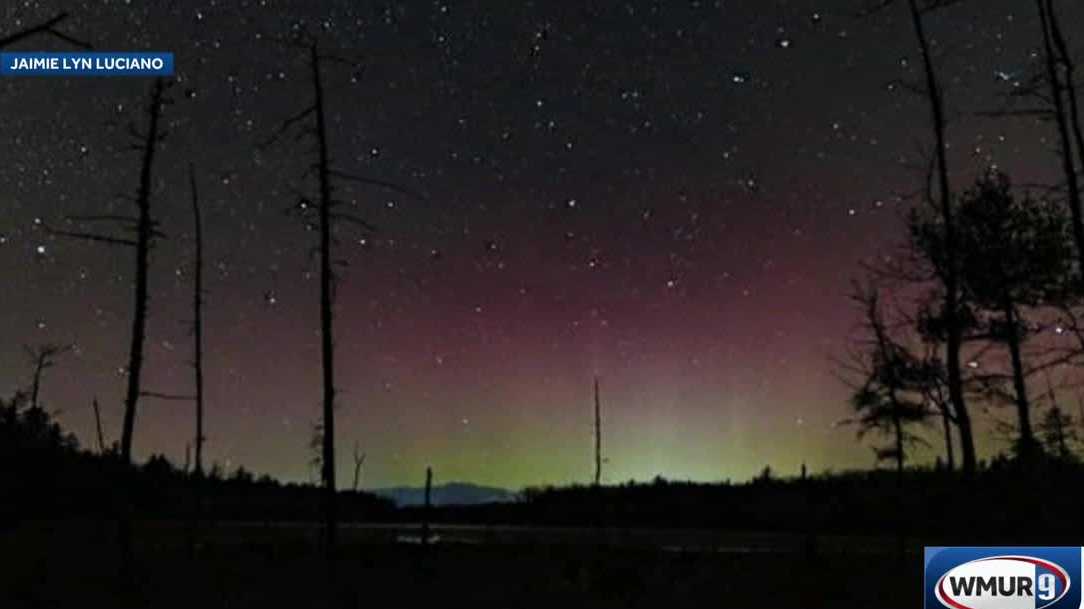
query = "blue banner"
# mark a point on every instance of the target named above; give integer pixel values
(86, 64)
(1002, 578)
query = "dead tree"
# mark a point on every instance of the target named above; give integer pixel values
(359, 460)
(98, 425)
(598, 437)
(146, 232)
(327, 343)
(1069, 67)
(326, 215)
(1059, 81)
(428, 505)
(316, 452)
(197, 364)
(49, 29)
(42, 357)
(197, 321)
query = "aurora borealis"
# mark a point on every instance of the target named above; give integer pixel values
(672, 196)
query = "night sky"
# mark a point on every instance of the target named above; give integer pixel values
(673, 196)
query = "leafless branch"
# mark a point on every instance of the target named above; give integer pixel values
(375, 182)
(354, 220)
(107, 218)
(166, 396)
(285, 126)
(48, 28)
(91, 237)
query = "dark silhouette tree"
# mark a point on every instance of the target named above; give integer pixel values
(946, 430)
(359, 460)
(1058, 433)
(885, 398)
(197, 319)
(1015, 253)
(598, 436)
(327, 211)
(316, 451)
(928, 377)
(146, 232)
(1052, 87)
(1058, 429)
(42, 358)
(950, 321)
(428, 505)
(1061, 88)
(98, 426)
(199, 485)
(1068, 65)
(32, 427)
(327, 342)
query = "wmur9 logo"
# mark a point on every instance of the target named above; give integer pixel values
(1003, 578)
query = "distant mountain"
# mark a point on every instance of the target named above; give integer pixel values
(452, 493)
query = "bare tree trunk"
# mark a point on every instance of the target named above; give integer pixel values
(327, 345)
(197, 321)
(359, 460)
(1061, 119)
(323, 208)
(42, 358)
(954, 332)
(39, 367)
(1066, 59)
(950, 455)
(98, 424)
(898, 425)
(197, 367)
(598, 437)
(1027, 441)
(145, 228)
(146, 232)
(1063, 445)
(428, 505)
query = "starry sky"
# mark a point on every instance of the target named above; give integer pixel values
(674, 196)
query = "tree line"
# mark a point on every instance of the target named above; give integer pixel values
(47, 474)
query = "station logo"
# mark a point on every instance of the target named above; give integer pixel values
(1003, 578)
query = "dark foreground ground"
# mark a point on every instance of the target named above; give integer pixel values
(73, 564)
